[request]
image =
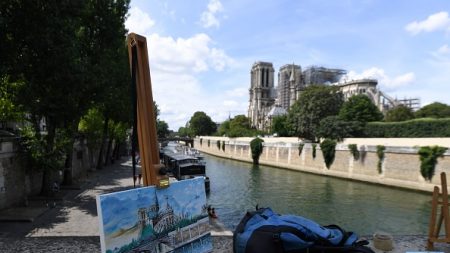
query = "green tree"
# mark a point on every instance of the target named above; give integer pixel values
(240, 126)
(332, 127)
(9, 109)
(183, 132)
(360, 108)
(256, 146)
(399, 113)
(201, 124)
(434, 110)
(315, 103)
(66, 54)
(224, 128)
(280, 125)
(162, 128)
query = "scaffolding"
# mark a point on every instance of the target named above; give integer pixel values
(322, 75)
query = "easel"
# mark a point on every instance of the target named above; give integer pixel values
(442, 200)
(146, 120)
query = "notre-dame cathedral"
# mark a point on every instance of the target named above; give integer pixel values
(268, 101)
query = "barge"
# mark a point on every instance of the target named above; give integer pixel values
(182, 163)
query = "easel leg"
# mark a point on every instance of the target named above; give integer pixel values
(431, 231)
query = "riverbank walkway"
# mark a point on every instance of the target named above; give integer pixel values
(68, 222)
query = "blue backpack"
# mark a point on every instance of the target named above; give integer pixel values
(264, 231)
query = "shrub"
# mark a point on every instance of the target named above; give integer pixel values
(354, 150)
(218, 144)
(209, 142)
(223, 146)
(314, 150)
(380, 154)
(328, 147)
(300, 148)
(428, 158)
(424, 127)
(257, 149)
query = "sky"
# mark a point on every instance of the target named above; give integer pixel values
(201, 51)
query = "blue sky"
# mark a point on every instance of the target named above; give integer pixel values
(201, 51)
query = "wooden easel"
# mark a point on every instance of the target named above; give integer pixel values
(439, 199)
(146, 120)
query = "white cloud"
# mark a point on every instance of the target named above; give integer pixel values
(238, 92)
(193, 54)
(208, 17)
(176, 66)
(434, 22)
(384, 80)
(138, 21)
(445, 49)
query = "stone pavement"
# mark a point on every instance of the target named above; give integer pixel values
(72, 225)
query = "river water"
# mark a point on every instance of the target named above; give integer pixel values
(363, 208)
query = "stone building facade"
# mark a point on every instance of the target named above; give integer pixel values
(262, 93)
(290, 84)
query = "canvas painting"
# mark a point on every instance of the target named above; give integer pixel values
(153, 220)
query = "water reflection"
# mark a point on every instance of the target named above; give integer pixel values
(364, 208)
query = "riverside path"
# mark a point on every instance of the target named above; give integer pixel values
(72, 225)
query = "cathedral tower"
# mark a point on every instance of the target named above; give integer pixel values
(262, 93)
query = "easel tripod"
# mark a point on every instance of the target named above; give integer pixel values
(439, 200)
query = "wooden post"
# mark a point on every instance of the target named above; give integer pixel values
(444, 218)
(146, 120)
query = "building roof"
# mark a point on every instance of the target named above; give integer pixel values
(276, 111)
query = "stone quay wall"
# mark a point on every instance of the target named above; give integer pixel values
(400, 166)
(17, 182)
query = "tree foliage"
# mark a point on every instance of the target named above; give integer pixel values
(434, 110)
(425, 127)
(328, 148)
(360, 108)
(428, 158)
(380, 154)
(69, 57)
(238, 126)
(354, 151)
(91, 126)
(315, 103)
(9, 109)
(201, 124)
(280, 125)
(256, 146)
(332, 127)
(399, 113)
(162, 129)
(184, 132)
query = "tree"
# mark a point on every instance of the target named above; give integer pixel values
(360, 108)
(201, 124)
(315, 103)
(399, 113)
(434, 110)
(9, 109)
(162, 128)
(240, 126)
(224, 128)
(332, 127)
(67, 54)
(183, 132)
(280, 125)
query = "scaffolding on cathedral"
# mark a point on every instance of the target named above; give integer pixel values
(322, 75)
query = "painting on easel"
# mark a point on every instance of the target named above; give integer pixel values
(147, 219)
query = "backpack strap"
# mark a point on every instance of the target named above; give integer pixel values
(345, 235)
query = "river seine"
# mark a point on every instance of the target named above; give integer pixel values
(355, 206)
